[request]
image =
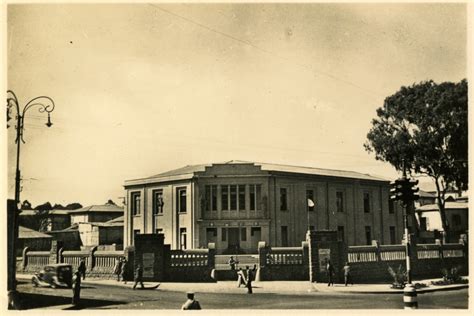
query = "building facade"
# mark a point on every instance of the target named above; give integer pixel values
(237, 204)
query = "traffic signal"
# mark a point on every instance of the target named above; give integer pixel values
(404, 190)
(413, 190)
(396, 190)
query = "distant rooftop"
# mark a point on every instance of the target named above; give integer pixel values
(190, 170)
(448, 206)
(26, 233)
(52, 212)
(105, 208)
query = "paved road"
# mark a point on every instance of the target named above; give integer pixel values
(111, 297)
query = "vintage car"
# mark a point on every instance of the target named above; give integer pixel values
(54, 275)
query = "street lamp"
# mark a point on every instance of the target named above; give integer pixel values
(45, 105)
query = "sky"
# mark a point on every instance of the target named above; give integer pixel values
(141, 89)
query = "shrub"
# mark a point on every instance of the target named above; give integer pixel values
(399, 277)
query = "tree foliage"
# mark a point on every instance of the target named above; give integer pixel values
(424, 128)
(73, 206)
(26, 205)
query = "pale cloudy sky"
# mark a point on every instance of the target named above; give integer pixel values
(140, 89)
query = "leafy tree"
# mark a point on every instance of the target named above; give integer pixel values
(42, 216)
(110, 202)
(26, 205)
(73, 206)
(44, 207)
(423, 128)
(58, 207)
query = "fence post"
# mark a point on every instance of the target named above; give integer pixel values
(92, 258)
(129, 253)
(305, 261)
(440, 248)
(56, 245)
(211, 256)
(25, 258)
(262, 259)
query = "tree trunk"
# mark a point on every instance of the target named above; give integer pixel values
(441, 203)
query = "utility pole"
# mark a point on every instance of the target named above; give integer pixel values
(45, 105)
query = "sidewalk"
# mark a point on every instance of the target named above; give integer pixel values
(275, 287)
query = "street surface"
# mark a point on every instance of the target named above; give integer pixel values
(97, 296)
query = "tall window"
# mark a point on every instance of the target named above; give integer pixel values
(181, 200)
(393, 240)
(340, 201)
(368, 235)
(210, 198)
(340, 233)
(214, 197)
(225, 197)
(241, 189)
(182, 234)
(224, 234)
(284, 236)
(233, 197)
(283, 199)
(158, 202)
(366, 202)
(135, 203)
(391, 207)
(255, 196)
(310, 196)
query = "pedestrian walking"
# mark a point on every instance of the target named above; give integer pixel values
(191, 303)
(330, 272)
(123, 270)
(76, 288)
(118, 268)
(82, 268)
(138, 277)
(250, 278)
(347, 274)
(232, 262)
(240, 278)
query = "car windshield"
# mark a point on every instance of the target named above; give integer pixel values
(65, 269)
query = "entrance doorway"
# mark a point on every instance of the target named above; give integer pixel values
(234, 239)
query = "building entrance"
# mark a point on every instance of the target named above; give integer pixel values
(234, 239)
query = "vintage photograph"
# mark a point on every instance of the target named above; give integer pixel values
(236, 156)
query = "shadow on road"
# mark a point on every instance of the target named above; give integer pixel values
(32, 301)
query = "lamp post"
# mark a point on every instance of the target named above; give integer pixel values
(45, 105)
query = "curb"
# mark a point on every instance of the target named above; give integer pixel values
(310, 290)
(419, 291)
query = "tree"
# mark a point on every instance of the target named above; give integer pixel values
(73, 206)
(26, 205)
(110, 202)
(423, 128)
(42, 216)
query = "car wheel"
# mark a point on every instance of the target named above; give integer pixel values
(53, 285)
(35, 283)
